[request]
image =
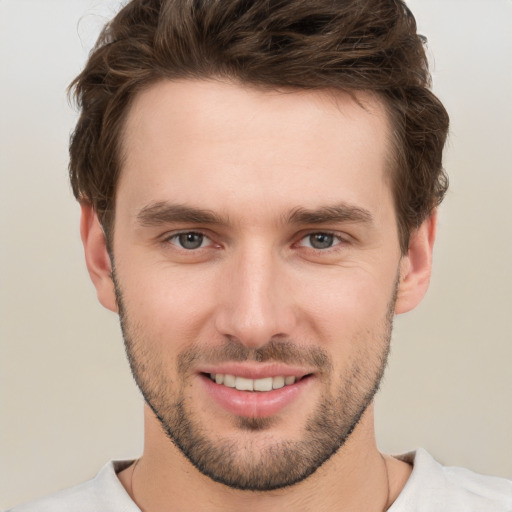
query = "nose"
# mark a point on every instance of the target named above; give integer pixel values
(256, 301)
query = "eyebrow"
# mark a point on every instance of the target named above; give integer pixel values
(162, 212)
(341, 212)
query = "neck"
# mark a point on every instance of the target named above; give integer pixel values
(356, 478)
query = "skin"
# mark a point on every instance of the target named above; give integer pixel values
(253, 157)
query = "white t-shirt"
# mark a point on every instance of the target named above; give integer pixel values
(430, 488)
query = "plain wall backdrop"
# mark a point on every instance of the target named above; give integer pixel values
(68, 402)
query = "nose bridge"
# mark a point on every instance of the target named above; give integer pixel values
(254, 308)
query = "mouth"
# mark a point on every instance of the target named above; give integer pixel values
(261, 385)
(253, 394)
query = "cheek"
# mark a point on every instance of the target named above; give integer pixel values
(350, 318)
(348, 314)
(171, 305)
(177, 305)
(349, 299)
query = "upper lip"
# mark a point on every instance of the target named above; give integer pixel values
(253, 370)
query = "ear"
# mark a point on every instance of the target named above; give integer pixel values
(97, 257)
(416, 266)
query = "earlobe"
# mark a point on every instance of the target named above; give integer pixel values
(416, 266)
(96, 256)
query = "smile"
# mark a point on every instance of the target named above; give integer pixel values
(244, 384)
(253, 391)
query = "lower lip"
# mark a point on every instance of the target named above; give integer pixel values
(255, 404)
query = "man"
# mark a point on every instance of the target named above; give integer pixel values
(258, 184)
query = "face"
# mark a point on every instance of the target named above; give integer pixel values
(256, 263)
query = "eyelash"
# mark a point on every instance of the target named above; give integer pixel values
(337, 240)
(176, 236)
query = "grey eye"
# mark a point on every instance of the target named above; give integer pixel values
(321, 240)
(190, 240)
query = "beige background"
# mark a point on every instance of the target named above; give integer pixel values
(67, 399)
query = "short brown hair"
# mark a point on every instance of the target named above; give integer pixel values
(348, 45)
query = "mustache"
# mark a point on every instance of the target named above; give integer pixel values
(276, 350)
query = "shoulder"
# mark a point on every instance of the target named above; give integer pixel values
(104, 493)
(434, 487)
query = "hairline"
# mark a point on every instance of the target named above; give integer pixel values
(392, 155)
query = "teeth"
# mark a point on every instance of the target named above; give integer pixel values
(229, 380)
(263, 384)
(243, 384)
(278, 382)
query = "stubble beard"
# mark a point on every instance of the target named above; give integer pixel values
(257, 464)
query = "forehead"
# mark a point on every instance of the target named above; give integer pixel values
(228, 145)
